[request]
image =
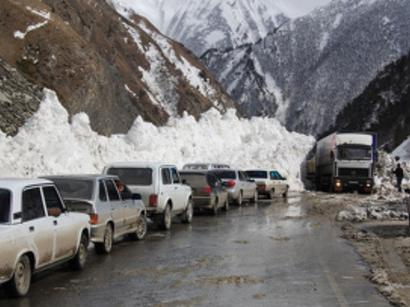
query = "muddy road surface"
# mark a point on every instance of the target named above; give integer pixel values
(268, 254)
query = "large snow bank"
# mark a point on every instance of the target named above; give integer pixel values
(49, 144)
(403, 151)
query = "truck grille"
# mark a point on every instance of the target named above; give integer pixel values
(354, 172)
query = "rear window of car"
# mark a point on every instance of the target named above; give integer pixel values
(257, 174)
(5, 206)
(225, 174)
(133, 176)
(194, 179)
(75, 188)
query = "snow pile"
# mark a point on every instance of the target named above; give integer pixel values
(353, 214)
(403, 151)
(49, 144)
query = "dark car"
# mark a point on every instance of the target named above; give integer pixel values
(208, 191)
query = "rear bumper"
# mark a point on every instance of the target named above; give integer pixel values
(202, 202)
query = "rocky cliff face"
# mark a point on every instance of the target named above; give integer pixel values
(100, 63)
(307, 70)
(19, 99)
(383, 107)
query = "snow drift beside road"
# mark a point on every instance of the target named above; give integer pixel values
(49, 144)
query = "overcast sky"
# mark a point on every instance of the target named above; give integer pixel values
(296, 8)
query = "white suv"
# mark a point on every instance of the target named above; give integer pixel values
(161, 187)
(36, 232)
(269, 183)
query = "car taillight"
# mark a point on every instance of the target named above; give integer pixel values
(93, 219)
(207, 189)
(153, 200)
(231, 183)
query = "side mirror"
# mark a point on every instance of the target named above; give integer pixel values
(183, 181)
(136, 196)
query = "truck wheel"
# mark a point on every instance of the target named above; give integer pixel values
(19, 285)
(166, 218)
(188, 213)
(106, 246)
(78, 262)
(141, 231)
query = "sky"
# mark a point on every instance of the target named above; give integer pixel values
(297, 8)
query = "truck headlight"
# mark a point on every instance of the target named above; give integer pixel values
(338, 183)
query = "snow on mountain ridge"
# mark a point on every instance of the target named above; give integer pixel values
(201, 25)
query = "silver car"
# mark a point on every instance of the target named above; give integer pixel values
(239, 186)
(113, 209)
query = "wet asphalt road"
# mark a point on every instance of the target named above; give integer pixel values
(268, 254)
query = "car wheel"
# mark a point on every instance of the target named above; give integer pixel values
(106, 246)
(79, 260)
(142, 228)
(285, 195)
(239, 201)
(226, 206)
(19, 285)
(166, 218)
(188, 213)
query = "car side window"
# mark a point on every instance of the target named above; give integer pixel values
(166, 176)
(32, 205)
(273, 176)
(52, 198)
(213, 181)
(175, 176)
(112, 191)
(102, 192)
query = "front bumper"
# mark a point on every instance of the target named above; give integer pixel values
(353, 184)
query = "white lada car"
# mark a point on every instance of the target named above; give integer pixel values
(37, 232)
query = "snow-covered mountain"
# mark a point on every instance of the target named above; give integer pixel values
(112, 68)
(305, 72)
(201, 25)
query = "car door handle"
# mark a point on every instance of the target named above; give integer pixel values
(55, 222)
(31, 228)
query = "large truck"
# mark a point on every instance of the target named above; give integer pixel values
(345, 162)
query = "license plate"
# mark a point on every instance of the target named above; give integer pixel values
(353, 182)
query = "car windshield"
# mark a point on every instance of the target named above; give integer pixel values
(133, 175)
(257, 174)
(354, 152)
(225, 174)
(75, 188)
(194, 179)
(5, 206)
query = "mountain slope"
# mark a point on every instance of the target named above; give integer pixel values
(306, 72)
(384, 106)
(201, 25)
(103, 64)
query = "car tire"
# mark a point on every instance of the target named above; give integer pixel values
(239, 201)
(226, 205)
(106, 246)
(285, 195)
(142, 228)
(188, 213)
(19, 285)
(80, 258)
(166, 218)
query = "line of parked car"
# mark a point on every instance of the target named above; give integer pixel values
(51, 220)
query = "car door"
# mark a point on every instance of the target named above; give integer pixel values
(166, 188)
(38, 227)
(118, 210)
(64, 226)
(130, 205)
(244, 184)
(178, 190)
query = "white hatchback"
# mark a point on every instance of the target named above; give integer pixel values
(37, 232)
(161, 187)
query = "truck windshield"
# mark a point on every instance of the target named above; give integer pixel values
(354, 152)
(133, 175)
(5, 198)
(75, 188)
(257, 174)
